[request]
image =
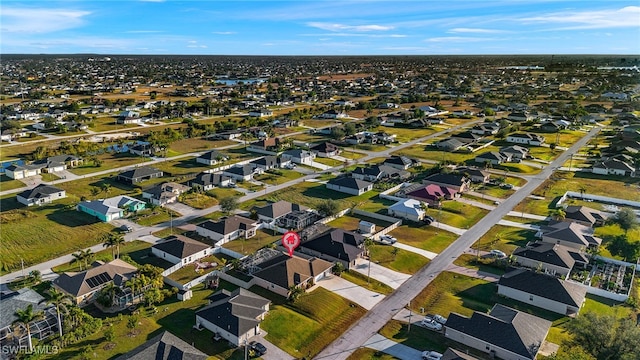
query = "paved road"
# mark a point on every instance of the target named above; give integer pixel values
(376, 318)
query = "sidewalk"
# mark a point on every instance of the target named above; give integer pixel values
(381, 273)
(473, 273)
(387, 346)
(428, 254)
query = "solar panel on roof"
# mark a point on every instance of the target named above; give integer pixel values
(98, 280)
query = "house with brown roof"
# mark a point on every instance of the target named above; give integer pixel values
(276, 210)
(227, 229)
(84, 286)
(432, 194)
(279, 274)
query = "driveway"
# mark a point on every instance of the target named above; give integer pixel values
(387, 276)
(273, 352)
(181, 208)
(381, 343)
(350, 291)
(428, 254)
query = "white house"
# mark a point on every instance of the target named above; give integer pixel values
(181, 249)
(261, 113)
(526, 138)
(349, 185)
(18, 172)
(613, 167)
(239, 172)
(211, 158)
(41, 194)
(299, 156)
(227, 229)
(409, 209)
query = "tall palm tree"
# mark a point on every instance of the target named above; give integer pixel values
(114, 240)
(87, 255)
(25, 317)
(59, 299)
(78, 258)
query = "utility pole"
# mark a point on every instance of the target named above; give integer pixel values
(22, 263)
(409, 307)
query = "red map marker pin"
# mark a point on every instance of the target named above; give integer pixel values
(290, 240)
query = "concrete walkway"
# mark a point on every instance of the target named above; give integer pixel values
(428, 254)
(387, 276)
(387, 346)
(449, 228)
(473, 273)
(528, 216)
(350, 291)
(519, 225)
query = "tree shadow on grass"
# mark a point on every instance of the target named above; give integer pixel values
(10, 203)
(321, 192)
(71, 217)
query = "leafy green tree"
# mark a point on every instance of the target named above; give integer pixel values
(338, 268)
(228, 204)
(626, 218)
(349, 129)
(605, 336)
(109, 334)
(112, 241)
(337, 133)
(328, 207)
(295, 292)
(557, 214)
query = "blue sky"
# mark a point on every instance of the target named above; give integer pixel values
(311, 27)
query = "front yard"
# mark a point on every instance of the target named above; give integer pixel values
(251, 245)
(425, 237)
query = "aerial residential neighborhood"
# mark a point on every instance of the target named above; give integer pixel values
(447, 207)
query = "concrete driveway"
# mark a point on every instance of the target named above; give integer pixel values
(428, 254)
(273, 352)
(181, 208)
(381, 273)
(381, 343)
(348, 290)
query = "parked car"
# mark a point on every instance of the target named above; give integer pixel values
(431, 355)
(258, 347)
(126, 228)
(387, 239)
(439, 318)
(431, 324)
(506, 186)
(497, 253)
(429, 218)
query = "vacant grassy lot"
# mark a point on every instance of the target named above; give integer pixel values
(106, 185)
(198, 200)
(376, 205)
(564, 138)
(504, 238)
(149, 217)
(424, 237)
(329, 161)
(181, 167)
(371, 284)
(397, 259)
(277, 177)
(458, 214)
(350, 222)
(561, 182)
(251, 245)
(406, 134)
(7, 183)
(42, 233)
(305, 327)
(186, 146)
(109, 161)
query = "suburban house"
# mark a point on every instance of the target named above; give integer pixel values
(450, 145)
(475, 174)
(165, 193)
(519, 116)
(493, 158)
(432, 194)
(269, 146)
(613, 167)
(265, 163)
(486, 128)
(279, 274)
(227, 229)
(355, 139)
(239, 172)
(211, 158)
(569, 234)
(400, 162)
(298, 219)
(349, 185)
(409, 209)
(467, 137)
(260, 113)
(144, 149)
(181, 249)
(335, 245)
(18, 172)
(552, 259)
(276, 210)
(41, 194)
(333, 114)
(84, 286)
(299, 156)
(58, 163)
(326, 149)
(515, 152)
(112, 208)
(551, 127)
(207, 181)
(139, 174)
(542, 290)
(164, 346)
(129, 117)
(457, 182)
(503, 333)
(374, 173)
(585, 216)
(13, 301)
(526, 139)
(234, 316)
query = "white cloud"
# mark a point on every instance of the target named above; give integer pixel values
(475, 31)
(342, 27)
(459, 39)
(223, 32)
(40, 20)
(596, 19)
(143, 31)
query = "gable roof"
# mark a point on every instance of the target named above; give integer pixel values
(349, 182)
(546, 286)
(548, 253)
(205, 178)
(213, 155)
(242, 170)
(40, 191)
(325, 147)
(399, 160)
(228, 225)
(278, 209)
(337, 243)
(408, 206)
(583, 213)
(286, 271)
(18, 300)
(165, 346)
(450, 179)
(432, 192)
(509, 329)
(140, 172)
(571, 232)
(236, 312)
(181, 246)
(81, 283)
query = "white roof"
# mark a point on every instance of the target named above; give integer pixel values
(408, 206)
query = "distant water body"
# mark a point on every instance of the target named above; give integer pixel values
(237, 81)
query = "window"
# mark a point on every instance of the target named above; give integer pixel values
(530, 297)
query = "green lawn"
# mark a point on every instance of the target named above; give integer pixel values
(458, 214)
(49, 177)
(424, 237)
(369, 354)
(277, 177)
(80, 188)
(350, 222)
(432, 153)
(198, 200)
(190, 145)
(188, 273)
(329, 161)
(371, 284)
(7, 183)
(565, 138)
(110, 161)
(407, 134)
(305, 327)
(376, 205)
(504, 238)
(133, 248)
(181, 167)
(489, 265)
(404, 261)
(38, 234)
(149, 217)
(251, 245)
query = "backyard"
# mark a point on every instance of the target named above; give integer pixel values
(251, 245)
(425, 237)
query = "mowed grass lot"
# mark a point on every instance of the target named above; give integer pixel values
(560, 182)
(425, 237)
(277, 177)
(397, 259)
(109, 161)
(305, 327)
(407, 134)
(186, 146)
(135, 249)
(369, 354)
(7, 183)
(198, 200)
(504, 238)
(251, 245)
(37, 234)
(565, 138)
(458, 214)
(181, 167)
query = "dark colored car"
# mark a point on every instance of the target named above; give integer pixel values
(258, 347)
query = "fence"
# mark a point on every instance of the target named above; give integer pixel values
(395, 222)
(385, 194)
(331, 218)
(233, 254)
(273, 227)
(599, 198)
(172, 269)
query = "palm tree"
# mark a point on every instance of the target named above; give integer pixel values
(59, 299)
(25, 317)
(114, 240)
(78, 258)
(557, 214)
(368, 242)
(87, 255)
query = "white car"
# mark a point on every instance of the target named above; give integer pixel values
(498, 254)
(439, 318)
(387, 239)
(431, 355)
(431, 324)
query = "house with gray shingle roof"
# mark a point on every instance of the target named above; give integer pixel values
(227, 229)
(349, 185)
(139, 174)
(274, 211)
(553, 259)
(504, 333)
(280, 273)
(335, 245)
(164, 346)
(12, 301)
(41, 194)
(569, 234)
(181, 249)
